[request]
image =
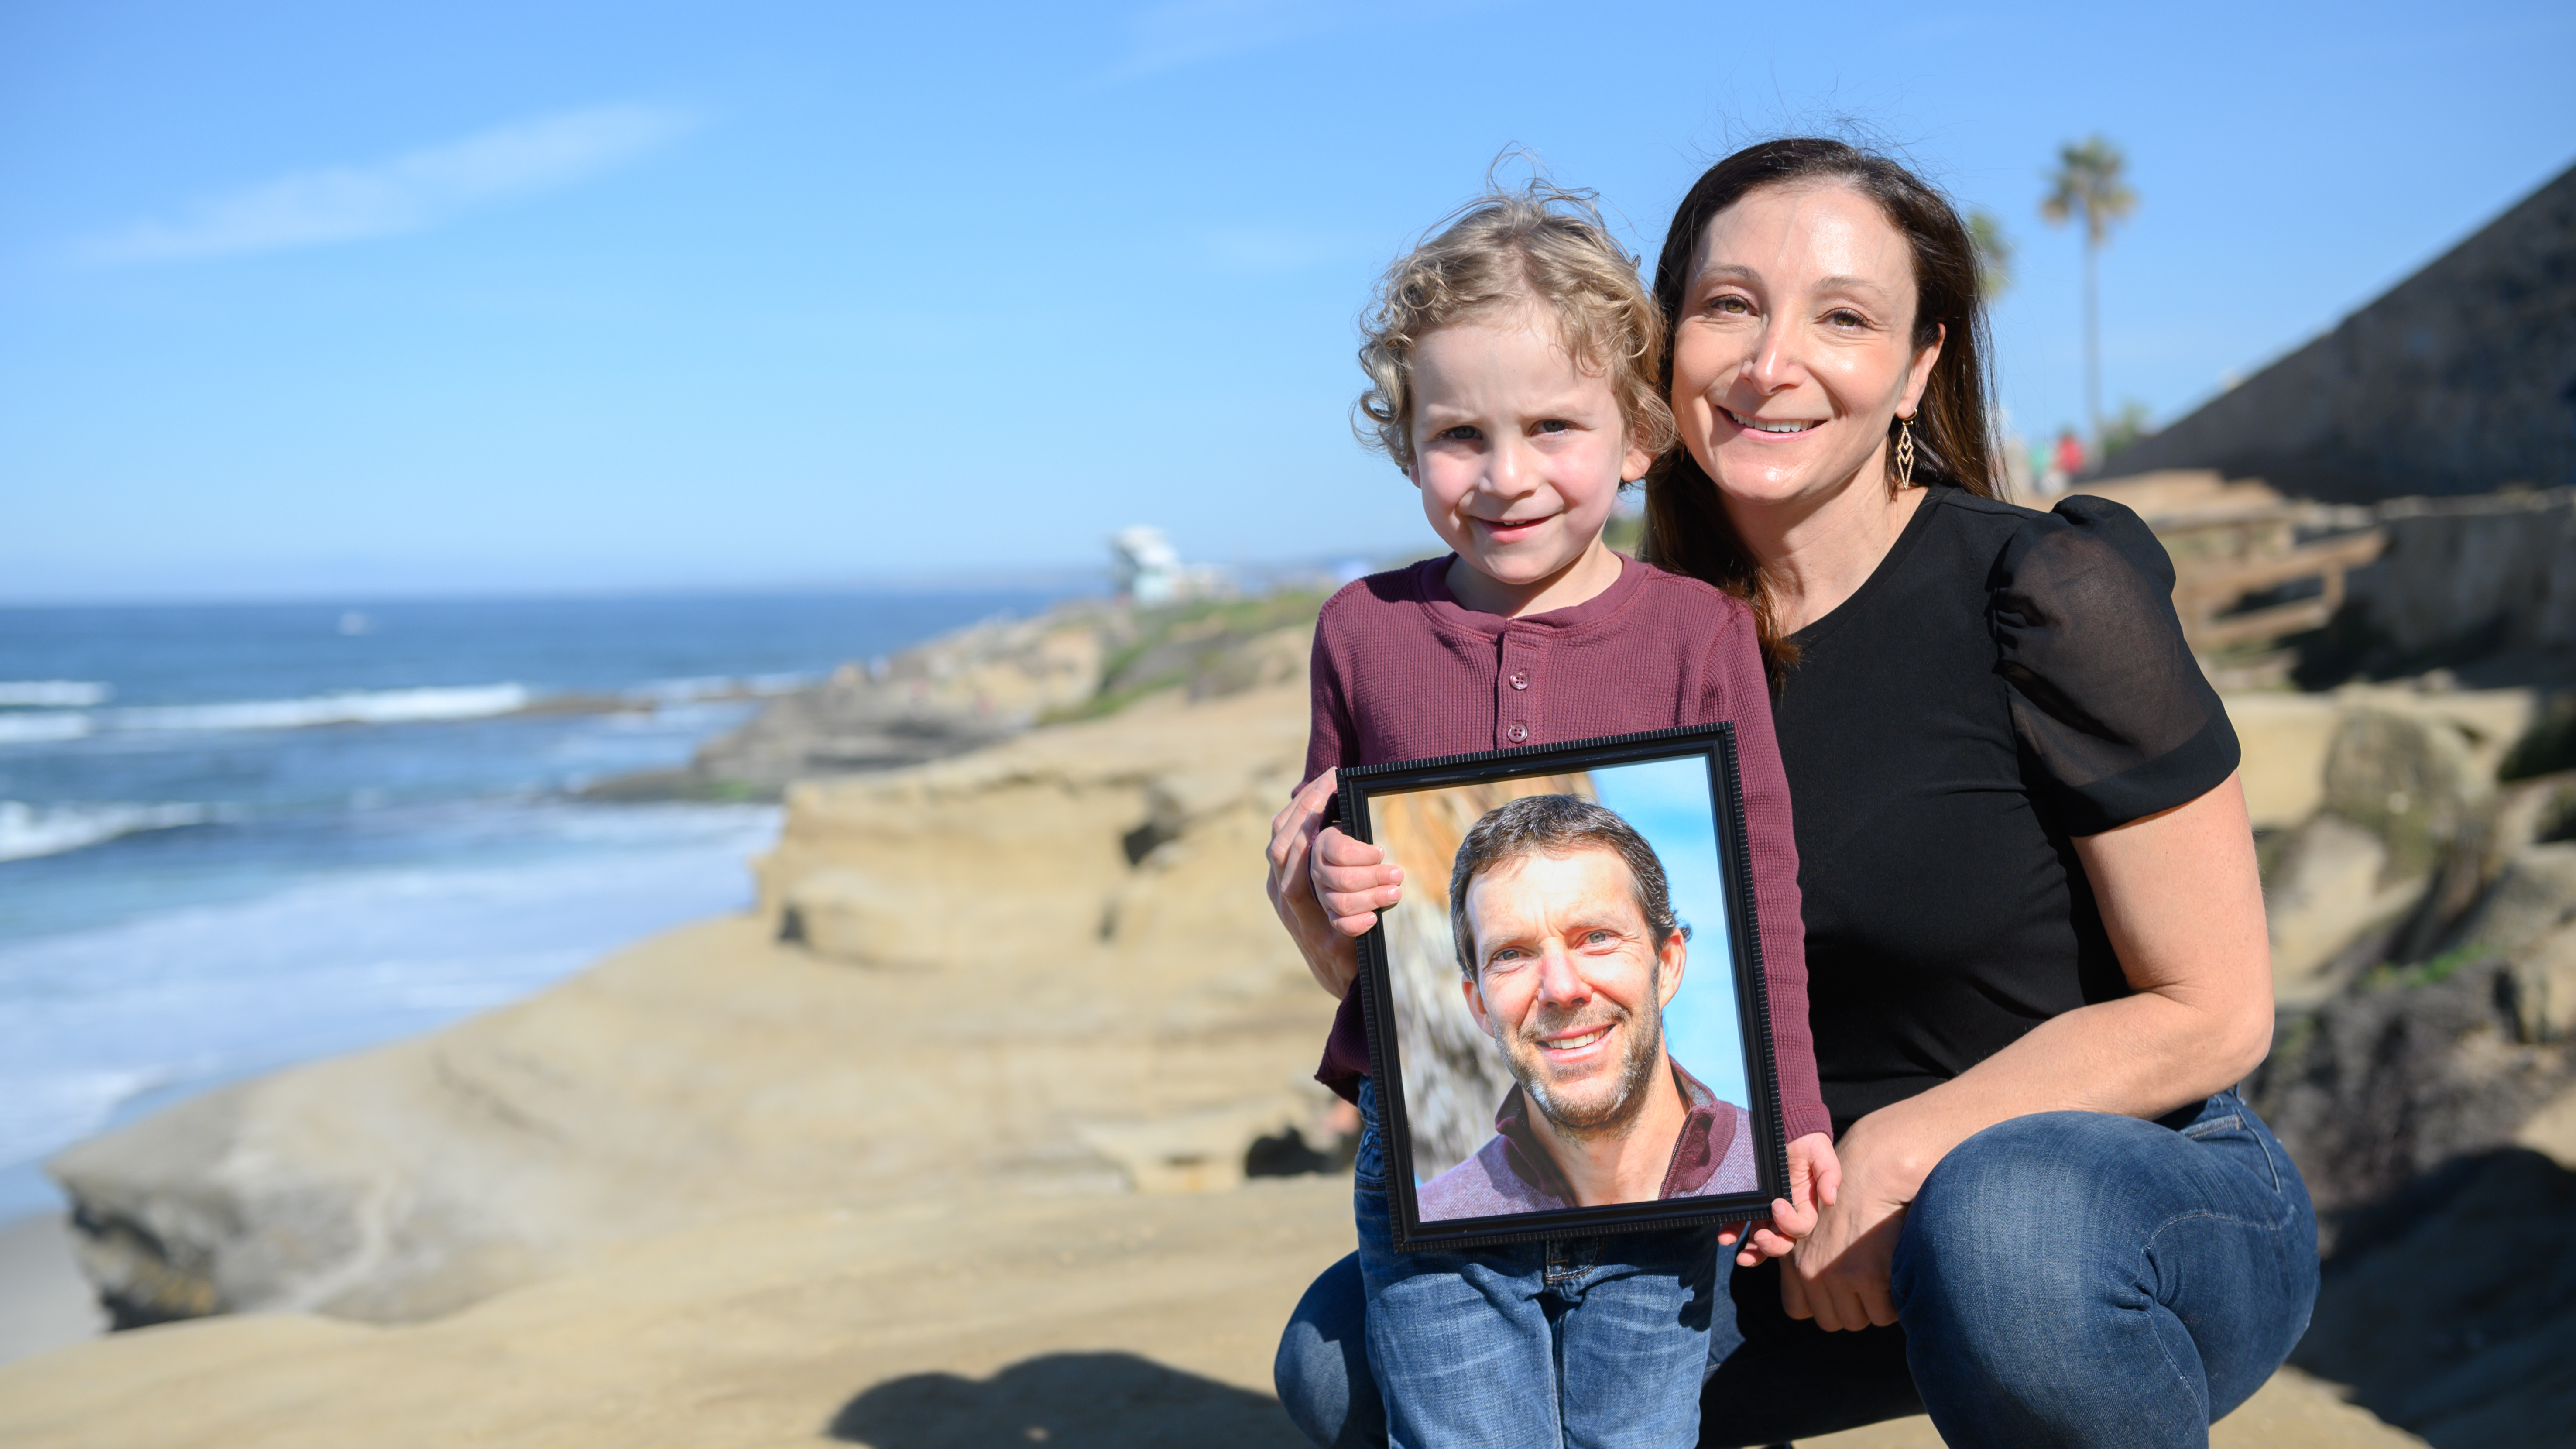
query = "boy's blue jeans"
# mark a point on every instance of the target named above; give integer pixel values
(2067, 1278)
(1576, 1341)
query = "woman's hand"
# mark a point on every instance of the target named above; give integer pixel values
(1815, 1176)
(1838, 1273)
(1326, 887)
(1329, 954)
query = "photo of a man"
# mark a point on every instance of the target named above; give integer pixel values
(1569, 952)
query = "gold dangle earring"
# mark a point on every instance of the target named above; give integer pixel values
(1904, 454)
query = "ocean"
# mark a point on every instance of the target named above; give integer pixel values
(236, 837)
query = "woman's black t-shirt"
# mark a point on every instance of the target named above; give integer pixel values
(2005, 681)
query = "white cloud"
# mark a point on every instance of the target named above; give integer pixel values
(403, 194)
(1185, 32)
(1272, 249)
(1179, 33)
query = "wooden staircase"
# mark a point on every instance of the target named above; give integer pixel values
(2241, 553)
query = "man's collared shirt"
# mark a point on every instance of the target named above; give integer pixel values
(1513, 1173)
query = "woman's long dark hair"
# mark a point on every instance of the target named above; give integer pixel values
(1687, 529)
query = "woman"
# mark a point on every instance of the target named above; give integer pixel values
(2035, 934)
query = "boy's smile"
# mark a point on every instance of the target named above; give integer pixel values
(1519, 454)
(1512, 530)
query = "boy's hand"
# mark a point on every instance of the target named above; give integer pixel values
(1815, 1179)
(1353, 881)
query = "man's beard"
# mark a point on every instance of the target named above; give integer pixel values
(1636, 1070)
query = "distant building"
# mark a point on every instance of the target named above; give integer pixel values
(2459, 380)
(1149, 570)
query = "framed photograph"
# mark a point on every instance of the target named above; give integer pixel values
(1566, 1011)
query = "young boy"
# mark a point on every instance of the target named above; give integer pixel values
(1512, 361)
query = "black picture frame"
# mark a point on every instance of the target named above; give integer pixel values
(1400, 999)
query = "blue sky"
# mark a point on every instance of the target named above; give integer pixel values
(305, 299)
(1668, 801)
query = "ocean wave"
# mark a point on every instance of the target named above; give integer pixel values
(29, 830)
(41, 1112)
(356, 706)
(45, 728)
(424, 704)
(209, 992)
(53, 693)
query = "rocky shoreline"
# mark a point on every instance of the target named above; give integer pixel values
(980, 686)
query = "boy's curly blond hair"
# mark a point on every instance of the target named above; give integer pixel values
(1540, 245)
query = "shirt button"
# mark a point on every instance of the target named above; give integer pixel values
(1518, 733)
(1520, 681)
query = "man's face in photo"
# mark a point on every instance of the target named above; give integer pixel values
(1570, 983)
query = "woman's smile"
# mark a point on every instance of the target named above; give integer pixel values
(1776, 426)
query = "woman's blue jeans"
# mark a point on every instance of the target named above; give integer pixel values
(2067, 1278)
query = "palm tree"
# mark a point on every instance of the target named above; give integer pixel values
(2090, 178)
(1994, 252)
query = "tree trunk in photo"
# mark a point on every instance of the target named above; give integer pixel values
(1453, 1074)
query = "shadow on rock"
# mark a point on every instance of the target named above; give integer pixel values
(2407, 1073)
(1066, 1401)
(2451, 1306)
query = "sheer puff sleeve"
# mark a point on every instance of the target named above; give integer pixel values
(2106, 698)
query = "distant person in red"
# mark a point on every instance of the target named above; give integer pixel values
(2070, 452)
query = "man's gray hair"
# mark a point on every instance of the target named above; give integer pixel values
(1557, 825)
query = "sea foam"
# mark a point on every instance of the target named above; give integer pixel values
(43, 728)
(356, 706)
(28, 830)
(53, 693)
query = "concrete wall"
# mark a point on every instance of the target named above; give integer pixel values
(2461, 378)
(2501, 567)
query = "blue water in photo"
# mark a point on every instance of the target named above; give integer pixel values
(1669, 803)
(235, 837)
